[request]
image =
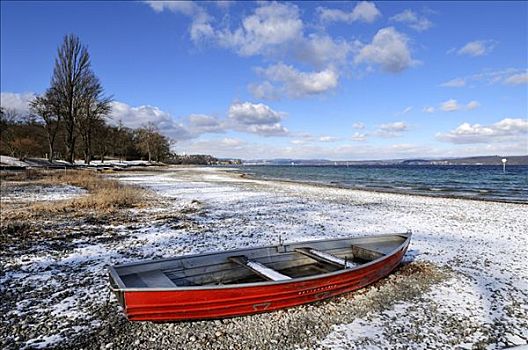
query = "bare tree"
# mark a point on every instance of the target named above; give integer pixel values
(48, 108)
(152, 143)
(71, 77)
(8, 118)
(21, 135)
(146, 139)
(94, 108)
(121, 136)
(161, 147)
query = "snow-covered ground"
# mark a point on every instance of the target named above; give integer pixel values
(43, 162)
(484, 304)
(40, 193)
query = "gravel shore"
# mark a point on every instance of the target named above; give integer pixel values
(463, 284)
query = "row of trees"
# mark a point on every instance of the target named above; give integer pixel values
(71, 118)
(26, 135)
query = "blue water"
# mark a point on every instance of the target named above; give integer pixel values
(477, 182)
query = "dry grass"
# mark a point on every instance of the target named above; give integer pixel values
(105, 195)
(24, 175)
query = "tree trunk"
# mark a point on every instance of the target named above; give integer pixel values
(51, 140)
(70, 148)
(86, 151)
(89, 146)
(50, 156)
(70, 144)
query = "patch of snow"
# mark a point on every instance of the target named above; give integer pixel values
(454, 301)
(34, 193)
(43, 342)
(11, 161)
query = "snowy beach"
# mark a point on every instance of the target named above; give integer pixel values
(55, 292)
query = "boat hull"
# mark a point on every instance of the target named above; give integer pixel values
(238, 300)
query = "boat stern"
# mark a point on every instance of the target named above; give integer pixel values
(114, 286)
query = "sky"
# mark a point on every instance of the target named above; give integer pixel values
(260, 80)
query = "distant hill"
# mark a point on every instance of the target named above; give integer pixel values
(481, 160)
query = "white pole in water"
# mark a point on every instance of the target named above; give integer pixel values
(504, 160)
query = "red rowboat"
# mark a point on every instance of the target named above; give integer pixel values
(249, 281)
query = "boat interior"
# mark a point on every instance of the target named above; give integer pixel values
(272, 263)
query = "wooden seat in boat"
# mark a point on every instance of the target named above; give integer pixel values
(365, 253)
(156, 279)
(258, 268)
(326, 257)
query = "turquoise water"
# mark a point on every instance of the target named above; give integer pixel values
(476, 182)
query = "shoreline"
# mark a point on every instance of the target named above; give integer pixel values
(374, 190)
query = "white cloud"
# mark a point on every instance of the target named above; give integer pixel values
(506, 130)
(187, 8)
(364, 11)
(450, 106)
(328, 139)
(517, 79)
(136, 117)
(472, 105)
(477, 48)
(231, 142)
(389, 50)
(322, 50)
(256, 118)
(457, 82)
(200, 20)
(16, 101)
(508, 76)
(250, 114)
(276, 30)
(245, 117)
(405, 110)
(293, 83)
(358, 125)
(413, 20)
(201, 123)
(264, 90)
(396, 126)
(429, 109)
(271, 27)
(359, 137)
(394, 129)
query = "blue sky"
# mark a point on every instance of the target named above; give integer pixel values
(336, 80)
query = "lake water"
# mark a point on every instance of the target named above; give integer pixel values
(472, 181)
